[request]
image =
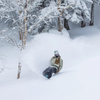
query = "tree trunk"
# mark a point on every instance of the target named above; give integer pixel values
(20, 35)
(92, 15)
(83, 23)
(24, 37)
(19, 70)
(20, 31)
(66, 24)
(60, 23)
(60, 20)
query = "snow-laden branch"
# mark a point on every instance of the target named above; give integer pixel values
(47, 13)
(68, 7)
(9, 39)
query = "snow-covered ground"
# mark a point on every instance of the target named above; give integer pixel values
(78, 80)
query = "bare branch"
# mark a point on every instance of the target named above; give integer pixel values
(3, 62)
(9, 39)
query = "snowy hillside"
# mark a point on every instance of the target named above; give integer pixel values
(78, 80)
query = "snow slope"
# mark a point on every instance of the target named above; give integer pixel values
(82, 83)
(78, 80)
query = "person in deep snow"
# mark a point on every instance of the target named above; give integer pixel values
(56, 64)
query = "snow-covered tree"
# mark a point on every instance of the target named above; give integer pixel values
(51, 14)
(7, 11)
(71, 10)
(44, 14)
(78, 12)
(20, 14)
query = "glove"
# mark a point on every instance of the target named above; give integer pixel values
(57, 72)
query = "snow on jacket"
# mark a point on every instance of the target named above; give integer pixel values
(56, 62)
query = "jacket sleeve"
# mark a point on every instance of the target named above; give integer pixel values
(61, 64)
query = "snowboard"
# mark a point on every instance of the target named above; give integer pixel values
(48, 75)
(48, 72)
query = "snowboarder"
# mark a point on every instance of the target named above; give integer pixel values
(56, 64)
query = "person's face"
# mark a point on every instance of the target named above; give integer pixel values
(56, 55)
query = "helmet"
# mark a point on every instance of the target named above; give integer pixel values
(56, 53)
